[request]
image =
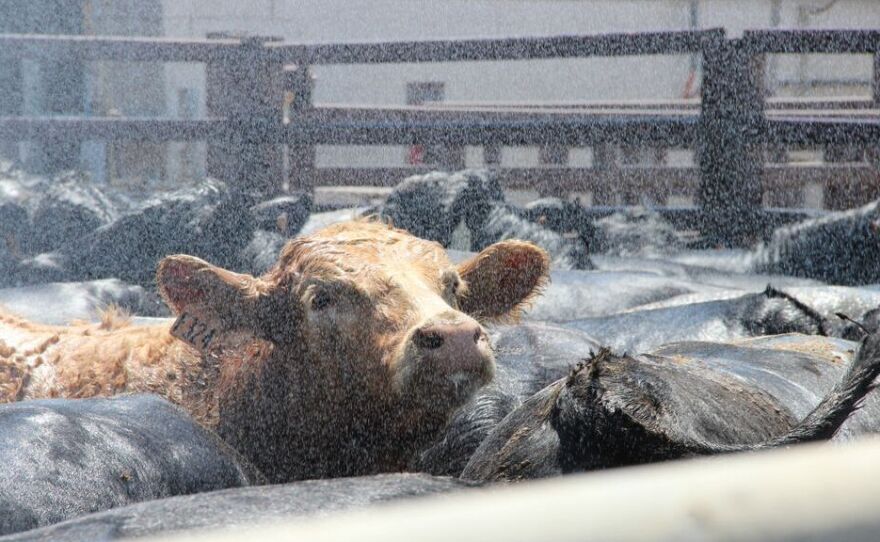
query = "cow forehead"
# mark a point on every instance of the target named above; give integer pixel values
(368, 252)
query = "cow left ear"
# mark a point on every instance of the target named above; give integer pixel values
(208, 300)
(502, 279)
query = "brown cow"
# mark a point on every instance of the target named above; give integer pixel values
(345, 358)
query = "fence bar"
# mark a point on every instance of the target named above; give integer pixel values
(299, 86)
(730, 158)
(799, 130)
(246, 88)
(832, 104)
(492, 156)
(150, 49)
(788, 130)
(682, 181)
(873, 151)
(526, 48)
(875, 80)
(606, 166)
(110, 128)
(812, 41)
(553, 158)
(406, 126)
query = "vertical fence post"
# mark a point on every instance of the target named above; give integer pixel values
(492, 156)
(730, 156)
(61, 90)
(299, 85)
(11, 99)
(607, 172)
(873, 151)
(245, 88)
(551, 180)
(841, 192)
(875, 91)
(453, 158)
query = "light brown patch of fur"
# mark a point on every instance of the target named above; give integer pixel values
(102, 359)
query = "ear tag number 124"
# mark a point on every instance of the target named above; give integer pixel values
(194, 330)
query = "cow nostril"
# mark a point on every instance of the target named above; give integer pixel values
(427, 340)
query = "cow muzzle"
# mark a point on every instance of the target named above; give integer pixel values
(456, 341)
(448, 351)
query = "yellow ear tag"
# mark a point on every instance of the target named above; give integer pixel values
(196, 329)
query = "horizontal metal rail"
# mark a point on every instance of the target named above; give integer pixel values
(147, 49)
(772, 103)
(672, 180)
(111, 128)
(401, 126)
(404, 126)
(805, 130)
(811, 41)
(521, 48)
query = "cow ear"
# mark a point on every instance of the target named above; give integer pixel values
(502, 279)
(207, 299)
(185, 281)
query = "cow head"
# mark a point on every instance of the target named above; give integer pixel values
(361, 321)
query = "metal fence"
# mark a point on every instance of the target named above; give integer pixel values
(729, 127)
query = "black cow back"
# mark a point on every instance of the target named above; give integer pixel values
(64, 458)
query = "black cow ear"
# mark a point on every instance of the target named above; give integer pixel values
(502, 279)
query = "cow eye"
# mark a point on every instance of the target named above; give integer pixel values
(322, 300)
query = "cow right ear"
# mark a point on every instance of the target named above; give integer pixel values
(502, 279)
(207, 299)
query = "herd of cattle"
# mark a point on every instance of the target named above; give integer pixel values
(320, 361)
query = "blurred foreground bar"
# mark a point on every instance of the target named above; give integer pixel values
(810, 492)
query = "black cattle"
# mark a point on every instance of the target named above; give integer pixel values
(856, 330)
(65, 458)
(207, 220)
(638, 231)
(262, 252)
(504, 222)
(68, 209)
(840, 248)
(771, 312)
(432, 206)
(285, 214)
(528, 357)
(532, 355)
(564, 216)
(243, 507)
(685, 399)
(623, 284)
